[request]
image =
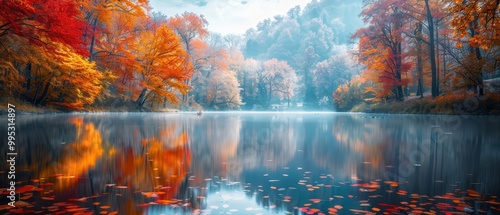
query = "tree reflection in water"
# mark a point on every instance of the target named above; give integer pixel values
(245, 163)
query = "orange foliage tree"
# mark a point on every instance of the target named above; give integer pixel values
(191, 28)
(477, 23)
(160, 67)
(381, 47)
(100, 17)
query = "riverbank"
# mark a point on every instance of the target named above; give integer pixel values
(457, 104)
(24, 107)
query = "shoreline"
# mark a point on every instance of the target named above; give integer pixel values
(3, 112)
(444, 105)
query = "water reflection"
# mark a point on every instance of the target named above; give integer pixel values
(244, 163)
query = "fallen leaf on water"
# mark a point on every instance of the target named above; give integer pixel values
(332, 209)
(166, 202)
(75, 209)
(314, 210)
(359, 211)
(26, 196)
(25, 188)
(315, 200)
(414, 196)
(5, 207)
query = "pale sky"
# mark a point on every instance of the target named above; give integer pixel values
(228, 16)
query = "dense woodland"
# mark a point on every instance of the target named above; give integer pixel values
(330, 55)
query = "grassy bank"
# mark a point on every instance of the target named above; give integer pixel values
(488, 104)
(115, 105)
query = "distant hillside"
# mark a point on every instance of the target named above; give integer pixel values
(325, 25)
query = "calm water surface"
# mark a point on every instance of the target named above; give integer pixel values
(254, 163)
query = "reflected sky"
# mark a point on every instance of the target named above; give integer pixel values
(254, 163)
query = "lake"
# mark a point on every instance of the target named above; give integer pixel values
(253, 163)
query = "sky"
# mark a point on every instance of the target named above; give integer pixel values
(228, 16)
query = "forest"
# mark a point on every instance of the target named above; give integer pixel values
(427, 56)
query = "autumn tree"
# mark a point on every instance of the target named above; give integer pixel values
(39, 24)
(61, 77)
(247, 77)
(477, 23)
(160, 68)
(331, 73)
(99, 16)
(211, 59)
(189, 26)
(114, 50)
(381, 46)
(354, 92)
(40, 21)
(223, 91)
(225, 60)
(276, 81)
(48, 60)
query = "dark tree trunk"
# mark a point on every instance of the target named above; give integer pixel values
(92, 40)
(437, 57)
(432, 54)
(36, 92)
(420, 86)
(473, 25)
(27, 74)
(399, 88)
(44, 94)
(142, 98)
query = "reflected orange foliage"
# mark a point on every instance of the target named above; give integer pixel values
(80, 155)
(160, 168)
(83, 153)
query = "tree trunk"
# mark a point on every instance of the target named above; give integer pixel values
(92, 40)
(430, 20)
(445, 39)
(27, 74)
(420, 86)
(142, 98)
(437, 56)
(36, 92)
(473, 25)
(399, 88)
(44, 94)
